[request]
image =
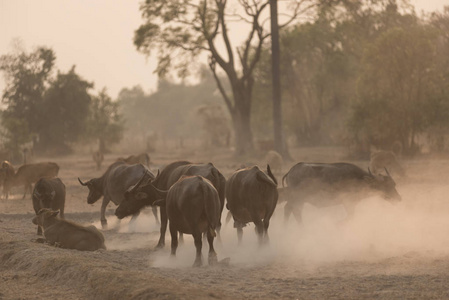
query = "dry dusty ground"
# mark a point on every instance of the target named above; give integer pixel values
(386, 252)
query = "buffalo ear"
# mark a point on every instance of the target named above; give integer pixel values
(141, 195)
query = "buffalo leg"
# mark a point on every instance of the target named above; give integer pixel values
(197, 237)
(239, 227)
(212, 258)
(181, 238)
(39, 230)
(27, 187)
(259, 230)
(174, 239)
(164, 221)
(156, 217)
(104, 222)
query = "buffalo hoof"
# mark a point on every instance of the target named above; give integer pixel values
(212, 259)
(40, 240)
(198, 263)
(159, 246)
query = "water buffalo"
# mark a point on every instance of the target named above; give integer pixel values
(7, 172)
(327, 184)
(142, 158)
(193, 207)
(49, 193)
(381, 160)
(28, 174)
(113, 184)
(142, 195)
(252, 197)
(66, 234)
(98, 158)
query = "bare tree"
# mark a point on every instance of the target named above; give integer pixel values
(180, 30)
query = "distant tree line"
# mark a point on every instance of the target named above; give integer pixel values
(361, 73)
(51, 111)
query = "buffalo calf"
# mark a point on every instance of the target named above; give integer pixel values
(66, 234)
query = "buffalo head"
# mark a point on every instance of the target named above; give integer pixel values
(95, 190)
(139, 196)
(385, 184)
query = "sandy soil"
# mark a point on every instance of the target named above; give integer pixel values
(386, 252)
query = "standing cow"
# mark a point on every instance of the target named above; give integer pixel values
(49, 193)
(193, 207)
(113, 184)
(324, 184)
(28, 174)
(252, 197)
(146, 194)
(66, 234)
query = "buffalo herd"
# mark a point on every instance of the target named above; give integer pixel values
(191, 197)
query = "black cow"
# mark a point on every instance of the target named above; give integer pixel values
(49, 193)
(193, 207)
(327, 184)
(143, 195)
(66, 234)
(113, 184)
(252, 197)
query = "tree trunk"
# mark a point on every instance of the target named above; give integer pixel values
(241, 119)
(279, 142)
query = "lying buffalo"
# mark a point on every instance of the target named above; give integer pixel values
(49, 193)
(113, 184)
(252, 197)
(323, 184)
(66, 234)
(193, 207)
(142, 195)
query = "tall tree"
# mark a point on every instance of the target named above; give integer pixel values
(64, 111)
(182, 29)
(27, 75)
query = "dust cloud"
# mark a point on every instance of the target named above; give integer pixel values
(379, 229)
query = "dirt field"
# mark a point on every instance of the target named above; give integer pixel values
(386, 252)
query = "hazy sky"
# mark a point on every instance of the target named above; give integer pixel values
(94, 35)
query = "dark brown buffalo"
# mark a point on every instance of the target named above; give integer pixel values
(49, 193)
(28, 174)
(252, 197)
(193, 207)
(142, 194)
(327, 184)
(98, 158)
(142, 158)
(66, 234)
(113, 184)
(7, 172)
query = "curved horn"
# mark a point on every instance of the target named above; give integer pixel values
(387, 172)
(134, 187)
(369, 171)
(82, 183)
(162, 193)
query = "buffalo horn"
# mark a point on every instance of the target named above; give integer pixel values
(387, 172)
(369, 171)
(133, 188)
(82, 183)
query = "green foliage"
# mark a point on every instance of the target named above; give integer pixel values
(105, 123)
(27, 75)
(64, 111)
